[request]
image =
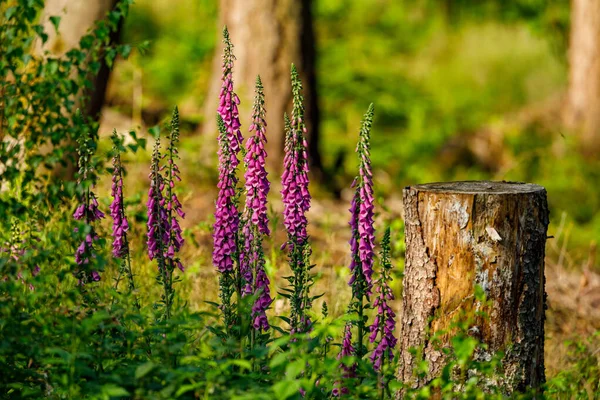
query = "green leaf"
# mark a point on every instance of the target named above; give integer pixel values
(294, 369)
(86, 41)
(187, 388)
(114, 390)
(243, 364)
(144, 369)
(10, 11)
(279, 359)
(142, 142)
(125, 50)
(154, 131)
(55, 20)
(39, 29)
(286, 389)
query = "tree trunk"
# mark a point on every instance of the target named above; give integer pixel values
(77, 18)
(268, 35)
(461, 235)
(582, 111)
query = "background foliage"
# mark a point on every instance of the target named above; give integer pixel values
(449, 78)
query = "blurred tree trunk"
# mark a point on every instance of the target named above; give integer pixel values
(582, 111)
(268, 35)
(77, 17)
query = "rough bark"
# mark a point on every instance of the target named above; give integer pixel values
(268, 35)
(463, 234)
(583, 96)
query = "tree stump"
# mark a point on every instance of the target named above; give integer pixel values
(461, 235)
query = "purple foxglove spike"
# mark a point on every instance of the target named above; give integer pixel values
(158, 223)
(87, 211)
(79, 212)
(255, 214)
(347, 350)
(120, 223)
(385, 322)
(228, 102)
(362, 210)
(226, 213)
(295, 193)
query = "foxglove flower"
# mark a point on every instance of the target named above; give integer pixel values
(362, 235)
(382, 330)
(172, 203)
(158, 223)
(296, 197)
(347, 350)
(225, 231)
(296, 202)
(230, 143)
(117, 211)
(120, 248)
(365, 238)
(255, 218)
(229, 101)
(226, 213)
(227, 218)
(162, 238)
(257, 184)
(87, 211)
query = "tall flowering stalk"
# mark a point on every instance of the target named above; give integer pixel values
(164, 232)
(256, 221)
(173, 205)
(87, 211)
(226, 226)
(363, 233)
(226, 255)
(159, 228)
(229, 101)
(382, 330)
(120, 245)
(366, 231)
(296, 201)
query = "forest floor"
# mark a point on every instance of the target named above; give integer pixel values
(573, 290)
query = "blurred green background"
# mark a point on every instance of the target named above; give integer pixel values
(463, 89)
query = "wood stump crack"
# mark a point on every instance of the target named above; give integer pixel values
(463, 235)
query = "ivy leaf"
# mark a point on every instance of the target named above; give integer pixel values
(55, 20)
(125, 50)
(10, 11)
(86, 41)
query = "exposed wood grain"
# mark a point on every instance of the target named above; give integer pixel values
(463, 234)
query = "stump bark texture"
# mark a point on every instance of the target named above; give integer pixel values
(461, 235)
